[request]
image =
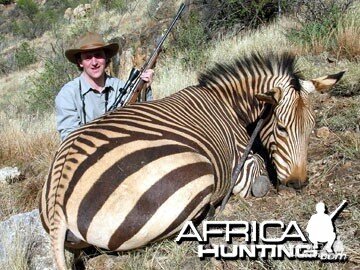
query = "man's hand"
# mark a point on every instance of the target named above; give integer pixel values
(147, 76)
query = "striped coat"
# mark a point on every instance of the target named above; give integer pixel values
(137, 174)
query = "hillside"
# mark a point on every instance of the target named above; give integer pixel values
(324, 37)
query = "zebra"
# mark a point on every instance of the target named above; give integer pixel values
(137, 174)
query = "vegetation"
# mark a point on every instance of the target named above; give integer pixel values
(45, 85)
(6, 2)
(191, 41)
(34, 21)
(325, 36)
(24, 55)
(117, 5)
(242, 14)
(323, 27)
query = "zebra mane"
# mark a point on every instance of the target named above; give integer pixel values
(277, 64)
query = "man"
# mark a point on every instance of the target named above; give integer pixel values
(92, 93)
(321, 228)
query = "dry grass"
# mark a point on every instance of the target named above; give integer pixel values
(348, 120)
(171, 75)
(31, 141)
(347, 35)
(28, 143)
(341, 42)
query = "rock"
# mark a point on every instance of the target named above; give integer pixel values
(322, 132)
(25, 244)
(9, 175)
(81, 10)
(68, 14)
(261, 186)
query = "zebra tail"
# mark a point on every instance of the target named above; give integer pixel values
(57, 235)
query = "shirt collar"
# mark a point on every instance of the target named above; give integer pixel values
(85, 86)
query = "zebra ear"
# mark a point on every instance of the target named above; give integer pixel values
(322, 84)
(272, 97)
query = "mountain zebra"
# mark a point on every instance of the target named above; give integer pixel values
(138, 173)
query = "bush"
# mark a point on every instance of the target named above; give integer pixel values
(347, 35)
(6, 2)
(190, 41)
(34, 21)
(57, 71)
(3, 66)
(239, 14)
(118, 5)
(321, 23)
(24, 55)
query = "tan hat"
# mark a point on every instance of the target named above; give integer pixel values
(89, 42)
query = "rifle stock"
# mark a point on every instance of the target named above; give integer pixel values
(139, 85)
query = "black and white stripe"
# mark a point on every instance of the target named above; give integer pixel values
(137, 174)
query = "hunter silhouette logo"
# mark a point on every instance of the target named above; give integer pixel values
(321, 227)
(252, 239)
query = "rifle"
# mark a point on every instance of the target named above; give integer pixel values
(338, 209)
(134, 84)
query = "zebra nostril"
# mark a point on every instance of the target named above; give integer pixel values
(295, 184)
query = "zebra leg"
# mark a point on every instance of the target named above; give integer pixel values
(253, 178)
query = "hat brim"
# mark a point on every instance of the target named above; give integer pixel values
(110, 50)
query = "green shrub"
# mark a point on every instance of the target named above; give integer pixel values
(24, 55)
(319, 22)
(190, 41)
(44, 87)
(118, 5)
(6, 2)
(228, 14)
(34, 20)
(3, 66)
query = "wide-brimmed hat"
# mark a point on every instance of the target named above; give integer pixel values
(89, 42)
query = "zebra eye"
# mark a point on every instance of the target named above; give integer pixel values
(282, 130)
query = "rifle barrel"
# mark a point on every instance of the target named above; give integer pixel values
(161, 42)
(337, 210)
(139, 84)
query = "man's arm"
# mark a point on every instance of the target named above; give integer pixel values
(67, 115)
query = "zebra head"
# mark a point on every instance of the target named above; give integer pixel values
(286, 135)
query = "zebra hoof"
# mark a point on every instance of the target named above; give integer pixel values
(261, 186)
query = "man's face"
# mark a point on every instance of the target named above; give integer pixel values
(93, 63)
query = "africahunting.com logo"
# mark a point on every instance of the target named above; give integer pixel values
(319, 243)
